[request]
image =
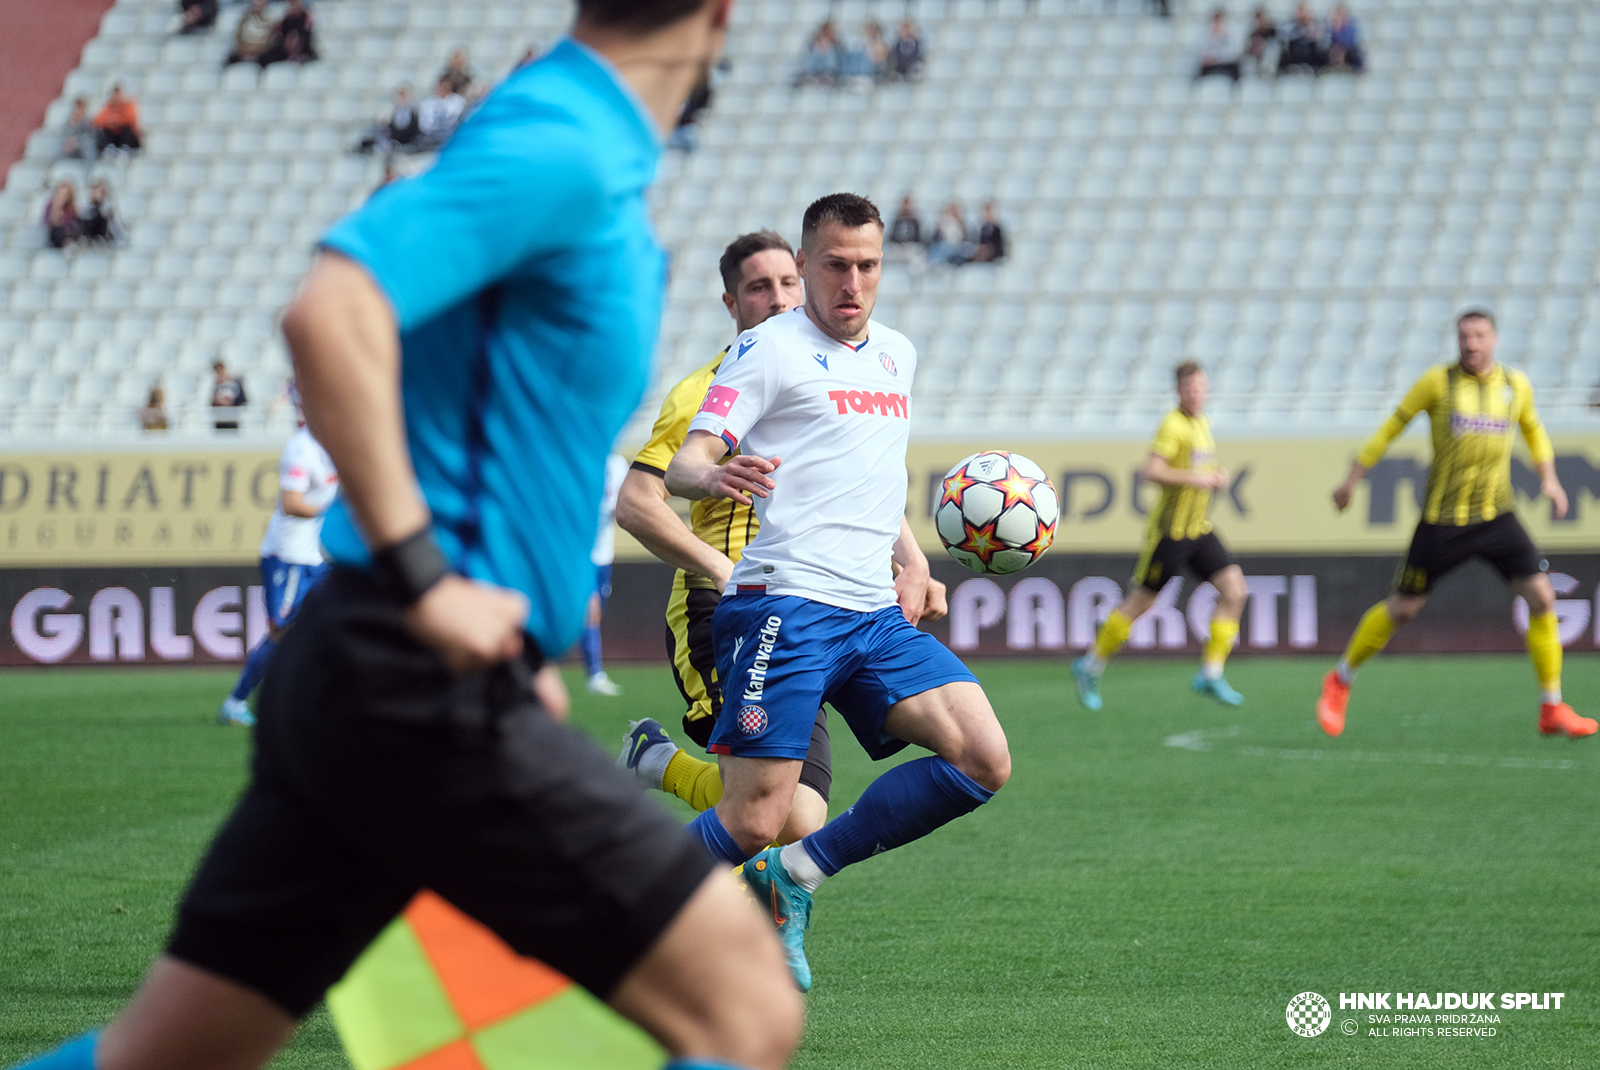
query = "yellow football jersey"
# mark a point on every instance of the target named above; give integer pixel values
(1183, 441)
(719, 522)
(1473, 418)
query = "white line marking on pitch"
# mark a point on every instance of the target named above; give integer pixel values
(1201, 740)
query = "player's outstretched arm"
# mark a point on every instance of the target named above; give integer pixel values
(695, 474)
(643, 512)
(911, 584)
(346, 348)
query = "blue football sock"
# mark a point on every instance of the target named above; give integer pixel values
(904, 804)
(700, 1064)
(75, 1054)
(708, 826)
(255, 667)
(591, 649)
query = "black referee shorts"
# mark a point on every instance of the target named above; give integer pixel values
(1438, 549)
(378, 773)
(694, 667)
(1167, 557)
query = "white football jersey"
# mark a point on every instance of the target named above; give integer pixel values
(304, 467)
(605, 539)
(838, 416)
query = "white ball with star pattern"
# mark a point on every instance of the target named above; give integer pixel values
(997, 512)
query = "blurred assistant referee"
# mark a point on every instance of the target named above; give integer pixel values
(467, 347)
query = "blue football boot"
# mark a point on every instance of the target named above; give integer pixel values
(788, 904)
(1218, 689)
(1088, 683)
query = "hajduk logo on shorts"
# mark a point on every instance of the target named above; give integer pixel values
(752, 720)
(1309, 1014)
(756, 681)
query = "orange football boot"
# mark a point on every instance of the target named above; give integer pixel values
(1335, 697)
(1559, 719)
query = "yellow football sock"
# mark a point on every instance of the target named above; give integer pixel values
(1223, 633)
(1544, 647)
(1372, 635)
(1113, 633)
(696, 782)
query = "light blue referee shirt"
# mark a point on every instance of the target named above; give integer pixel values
(528, 286)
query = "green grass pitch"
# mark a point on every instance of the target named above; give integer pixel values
(1149, 891)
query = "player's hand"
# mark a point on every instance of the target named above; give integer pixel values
(723, 574)
(1218, 480)
(1341, 496)
(1558, 497)
(551, 692)
(743, 475)
(472, 625)
(935, 604)
(911, 590)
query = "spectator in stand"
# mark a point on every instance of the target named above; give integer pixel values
(905, 58)
(685, 138)
(1344, 42)
(1219, 50)
(293, 40)
(439, 114)
(62, 227)
(226, 393)
(991, 245)
(459, 73)
(253, 36)
(99, 222)
(949, 245)
(153, 417)
(1263, 36)
(905, 237)
(1159, 7)
(870, 58)
(196, 16)
(824, 57)
(399, 132)
(117, 124)
(1305, 46)
(78, 141)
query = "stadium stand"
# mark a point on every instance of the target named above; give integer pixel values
(1309, 238)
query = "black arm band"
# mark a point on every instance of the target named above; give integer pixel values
(411, 566)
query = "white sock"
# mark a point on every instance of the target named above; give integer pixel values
(654, 761)
(1094, 663)
(1347, 675)
(1212, 670)
(802, 870)
(1551, 698)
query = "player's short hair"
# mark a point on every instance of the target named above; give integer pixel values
(1185, 370)
(743, 248)
(1477, 314)
(640, 16)
(845, 209)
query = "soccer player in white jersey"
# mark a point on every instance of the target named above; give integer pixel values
(291, 554)
(603, 554)
(817, 405)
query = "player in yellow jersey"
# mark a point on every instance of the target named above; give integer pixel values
(760, 280)
(1183, 461)
(1474, 406)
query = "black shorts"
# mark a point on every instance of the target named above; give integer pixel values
(694, 667)
(378, 773)
(1166, 558)
(1438, 549)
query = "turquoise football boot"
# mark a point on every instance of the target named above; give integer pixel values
(789, 906)
(1218, 689)
(1088, 684)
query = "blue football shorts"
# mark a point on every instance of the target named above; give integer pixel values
(287, 585)
(779, 657)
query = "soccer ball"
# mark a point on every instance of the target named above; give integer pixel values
(997, 512)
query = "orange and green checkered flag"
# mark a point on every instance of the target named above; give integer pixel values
(438, 991)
